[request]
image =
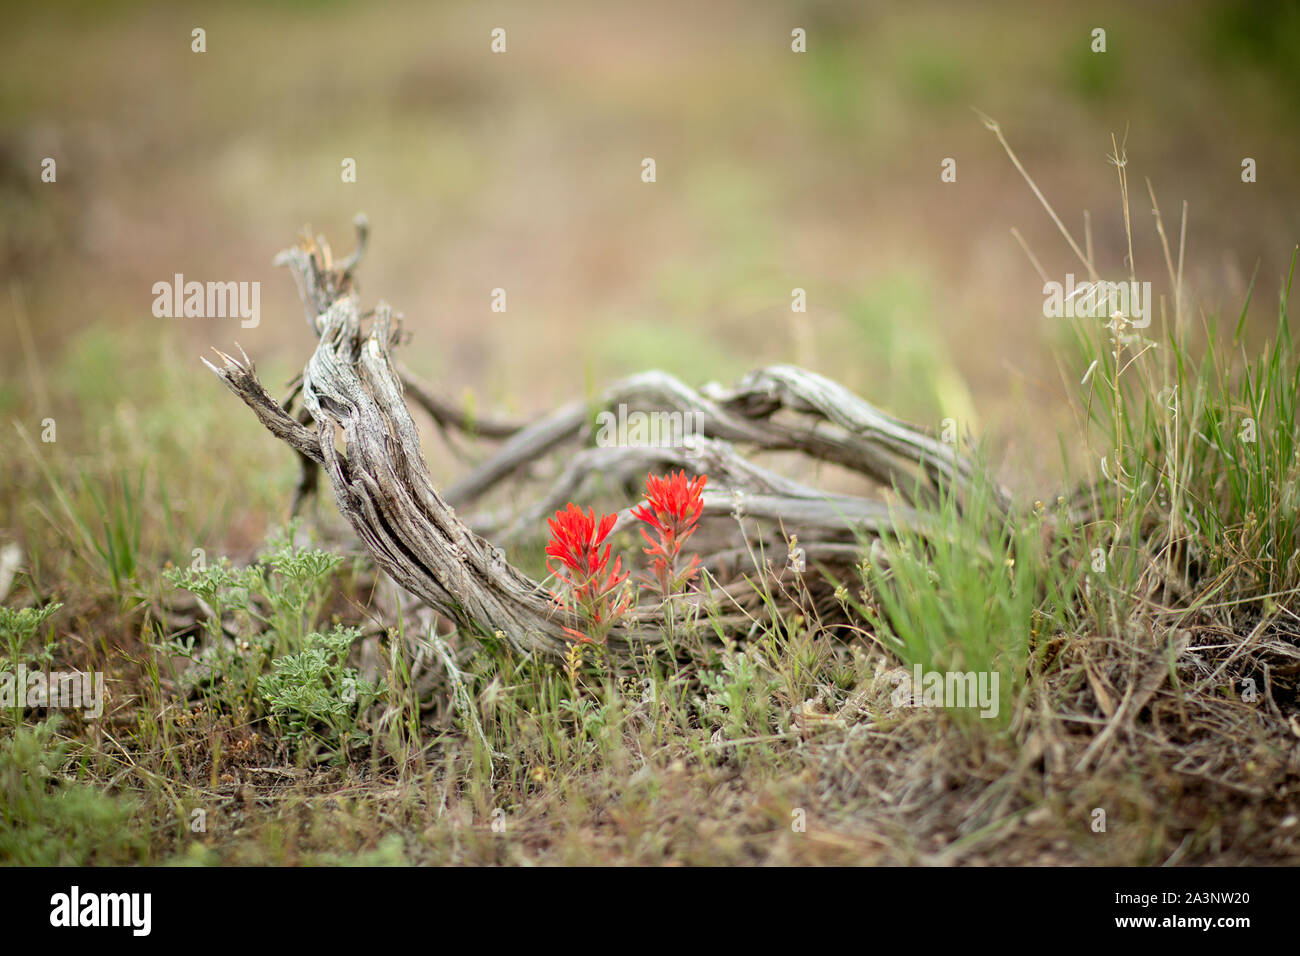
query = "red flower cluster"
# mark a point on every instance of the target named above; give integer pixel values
(593, 583)
(592, 586)
(672, 509)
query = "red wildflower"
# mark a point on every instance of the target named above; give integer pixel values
(584, 567)
(673, 507)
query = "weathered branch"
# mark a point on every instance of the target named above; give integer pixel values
(355, 396)
(832, 425)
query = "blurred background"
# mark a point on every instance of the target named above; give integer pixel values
(521, 170)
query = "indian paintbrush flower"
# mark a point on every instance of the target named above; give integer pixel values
(578, 556)
(673, 507)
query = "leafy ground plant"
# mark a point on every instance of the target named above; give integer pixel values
(315, 698)
(18, 628)
(263, 656)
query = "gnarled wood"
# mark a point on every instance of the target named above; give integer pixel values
(355, 395)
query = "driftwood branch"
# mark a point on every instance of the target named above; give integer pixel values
(829, 423)
(354, 424)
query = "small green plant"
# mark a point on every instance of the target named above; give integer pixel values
(273, 607)
(736, 695)
(293, 581)
(227, 667)
(17, 628)
(315, 699)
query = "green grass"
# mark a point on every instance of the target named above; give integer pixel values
(976, 594)
(1204, 436)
